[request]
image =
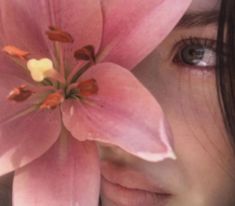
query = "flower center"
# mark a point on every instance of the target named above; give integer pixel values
(54, 82)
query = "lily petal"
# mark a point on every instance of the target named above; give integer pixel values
(123, 113)
(132, 32)
(11, 68)
(24, 23)
(27, 137)
(68, 174)
(19, 26)
(9, 109)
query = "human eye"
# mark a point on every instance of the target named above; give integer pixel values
(195, 53)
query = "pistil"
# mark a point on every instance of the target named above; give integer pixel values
(50, 76)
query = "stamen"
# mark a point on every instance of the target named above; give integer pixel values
(74, 70)
(71, 87)
(85, 53)
(16, 52)
(52, 101)
(20, 94)
(61, 58)
(56, 34)
(104, 53)
(53, 82)
(88, 87)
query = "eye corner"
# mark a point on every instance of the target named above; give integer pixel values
(195, 53)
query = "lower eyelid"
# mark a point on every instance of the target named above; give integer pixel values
(195, 71)
(184, 58)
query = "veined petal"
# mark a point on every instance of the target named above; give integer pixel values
(123, 113)
(19, 26)
(132, 32)
(24, 23)
(27, 137)
(82, 19)
(68, 174)
(9, 108)
(11, 68)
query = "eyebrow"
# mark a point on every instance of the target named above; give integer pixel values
(195, 19)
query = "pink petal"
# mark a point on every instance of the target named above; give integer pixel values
(133, 30)
(123, 113)
(9, 67)
(9, 109)
(23, 135)
(68, 174)
(19, 26)
(24, 23)
(25, 138)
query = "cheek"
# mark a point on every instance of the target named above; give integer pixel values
(189, 100)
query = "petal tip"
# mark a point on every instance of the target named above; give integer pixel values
(153, 157)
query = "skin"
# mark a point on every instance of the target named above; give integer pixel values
(203, 173)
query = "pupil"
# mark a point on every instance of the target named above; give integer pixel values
(192, 54)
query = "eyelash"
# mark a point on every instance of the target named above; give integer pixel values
(204, 43)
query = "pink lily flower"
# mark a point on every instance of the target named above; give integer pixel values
(66, 87)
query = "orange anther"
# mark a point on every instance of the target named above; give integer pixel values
(16, 52)
(56, 34)
(20, 94)
(88, 87)
(85, 53)
(52, 101)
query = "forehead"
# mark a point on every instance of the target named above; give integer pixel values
(204, 5)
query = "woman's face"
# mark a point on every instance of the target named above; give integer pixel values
(180, 74)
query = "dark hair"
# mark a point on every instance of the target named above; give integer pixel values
(225, 67)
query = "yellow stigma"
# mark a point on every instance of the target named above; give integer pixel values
(40, 69)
